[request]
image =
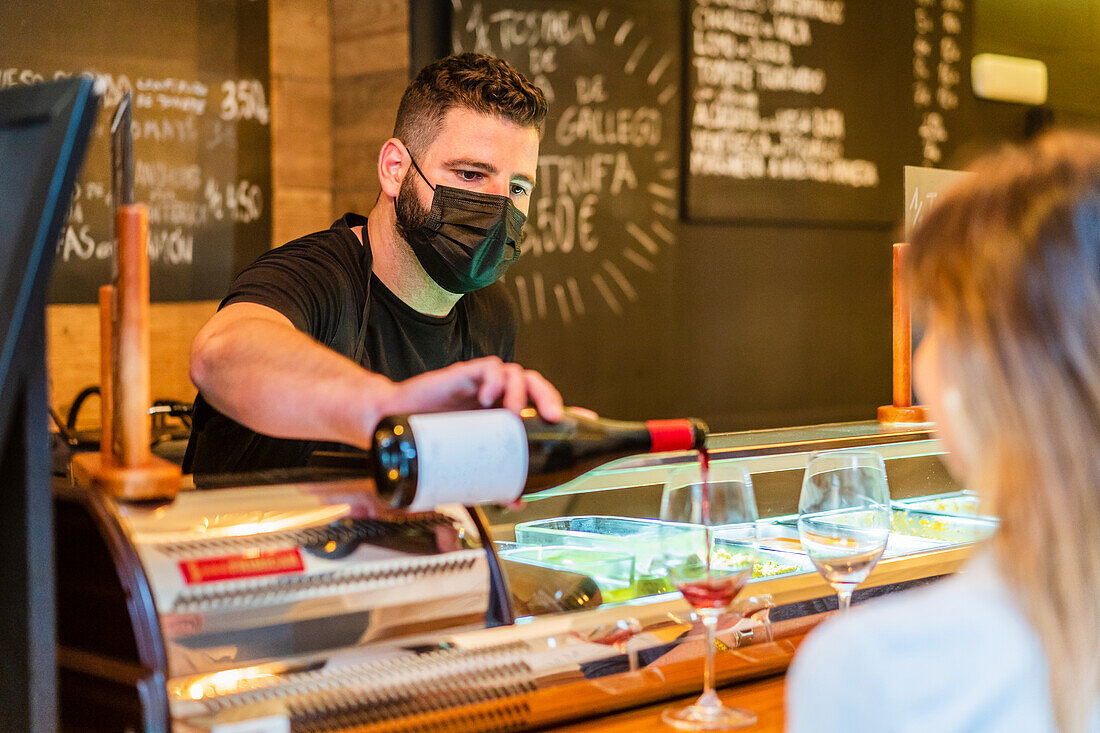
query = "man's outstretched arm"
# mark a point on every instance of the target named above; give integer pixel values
(252, 364)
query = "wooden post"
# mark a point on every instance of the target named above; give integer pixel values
(130, 367)
(902, 410)
(124, 466)
(106, 375)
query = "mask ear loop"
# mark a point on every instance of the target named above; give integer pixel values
(413, 161)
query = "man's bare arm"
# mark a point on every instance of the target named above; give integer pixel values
(252, 364)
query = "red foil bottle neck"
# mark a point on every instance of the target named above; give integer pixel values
(669, 435)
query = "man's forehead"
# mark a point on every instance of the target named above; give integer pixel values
(469, 136)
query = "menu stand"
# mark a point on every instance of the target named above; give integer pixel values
(125, 467)
(902, 411)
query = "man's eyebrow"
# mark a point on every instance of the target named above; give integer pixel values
(471, 163)
(484, 167)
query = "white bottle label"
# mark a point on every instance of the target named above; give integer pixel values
(473, 457)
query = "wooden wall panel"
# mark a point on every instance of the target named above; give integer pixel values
(72, 333)
(301, 91)
(364, 108)
(357, 18)
(370, 69)
(302, 163)
(305, 210)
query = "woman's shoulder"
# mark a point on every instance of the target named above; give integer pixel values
(939, 655)
(969, 609)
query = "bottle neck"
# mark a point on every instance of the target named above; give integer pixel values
(671, 435)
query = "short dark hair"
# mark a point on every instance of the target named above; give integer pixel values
(477, 82)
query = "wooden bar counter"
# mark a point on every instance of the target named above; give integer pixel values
(340, 642)
(763, 697)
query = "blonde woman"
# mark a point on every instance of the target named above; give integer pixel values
(1006, 271)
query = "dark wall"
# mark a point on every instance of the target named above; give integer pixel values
(782, 325)
(790, 324)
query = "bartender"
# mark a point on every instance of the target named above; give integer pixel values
(397, 312)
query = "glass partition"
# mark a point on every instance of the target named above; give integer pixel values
(594, 541)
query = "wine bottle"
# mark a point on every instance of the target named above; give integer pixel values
(494, 456)
(537, 590)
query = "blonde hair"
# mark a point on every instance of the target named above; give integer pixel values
(1007, 269)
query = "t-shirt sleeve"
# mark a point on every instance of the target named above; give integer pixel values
(301, 280)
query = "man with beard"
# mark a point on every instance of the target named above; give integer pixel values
(396, 312)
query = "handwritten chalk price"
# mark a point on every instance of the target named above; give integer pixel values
(243, 202)
(244, 100)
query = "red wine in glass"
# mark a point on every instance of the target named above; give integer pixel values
(716, 591)
(700, 500)
(704, 475)
(704, 478)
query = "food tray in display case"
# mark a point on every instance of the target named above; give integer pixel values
(611, 570)
(955, 530)
(769, 563)
(954, 504)
(640, 538)
(782, 536)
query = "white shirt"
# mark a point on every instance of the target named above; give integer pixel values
(958, 655)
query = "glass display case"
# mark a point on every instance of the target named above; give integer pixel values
(311, 606)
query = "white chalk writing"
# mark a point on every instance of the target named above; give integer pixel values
(936, 73)
(744, 51)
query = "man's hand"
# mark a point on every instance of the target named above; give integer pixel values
(483, 382)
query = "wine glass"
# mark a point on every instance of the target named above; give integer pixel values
(844, 517)
(708, 547)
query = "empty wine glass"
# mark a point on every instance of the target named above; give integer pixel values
(708, 546)
(844, 517)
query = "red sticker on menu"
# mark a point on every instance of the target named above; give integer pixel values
(245, 565)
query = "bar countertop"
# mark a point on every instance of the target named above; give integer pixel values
(763, 697)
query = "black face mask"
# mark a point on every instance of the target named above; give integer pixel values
(467, 240)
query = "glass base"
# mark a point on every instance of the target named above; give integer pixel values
(708, 717)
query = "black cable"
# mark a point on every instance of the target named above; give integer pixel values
(74, 411)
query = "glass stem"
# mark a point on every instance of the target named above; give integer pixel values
(710, 624)
(844, 599)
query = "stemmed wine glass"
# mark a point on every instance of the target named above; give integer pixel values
(708, 546)
(844, 517)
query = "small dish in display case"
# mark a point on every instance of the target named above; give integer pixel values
(612, 570)
(782, 536)
(955, 530)
(956, 504)
(640, 538)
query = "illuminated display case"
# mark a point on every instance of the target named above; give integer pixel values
(311, 607)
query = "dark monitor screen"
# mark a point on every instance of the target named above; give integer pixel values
(17, 168)
(43, 133)
(44, 130)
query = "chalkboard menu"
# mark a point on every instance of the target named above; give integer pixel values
(198, 73)
(607, 197)
(807, 110)
(593, 285)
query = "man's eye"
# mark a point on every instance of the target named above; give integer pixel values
(518, 190)
(470, 176)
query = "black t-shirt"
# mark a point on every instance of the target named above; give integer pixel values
(320, 283)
